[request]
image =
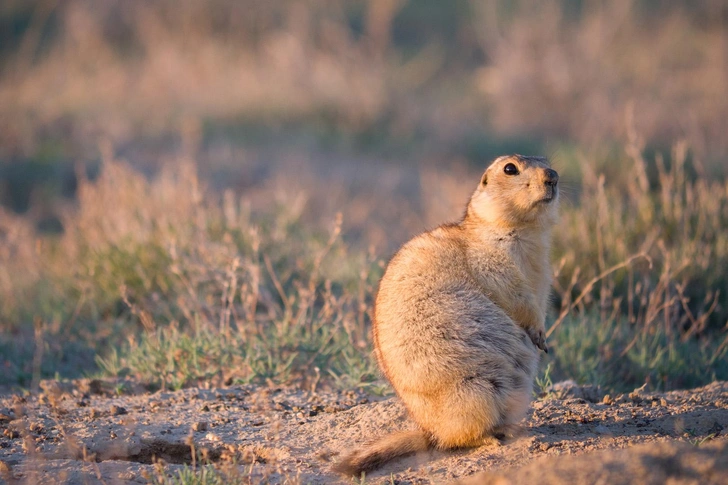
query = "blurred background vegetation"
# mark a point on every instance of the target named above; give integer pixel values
(206, 192)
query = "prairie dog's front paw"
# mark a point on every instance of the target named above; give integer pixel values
(538, 338)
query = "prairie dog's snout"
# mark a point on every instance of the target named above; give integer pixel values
(550, 180)
(551, 177)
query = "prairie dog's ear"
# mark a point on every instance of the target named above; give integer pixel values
(484, 179)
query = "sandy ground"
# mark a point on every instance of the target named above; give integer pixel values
(114, 432)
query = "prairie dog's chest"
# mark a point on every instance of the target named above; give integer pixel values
(498, 256)
(531, 256)
(512, 257)
(527, 254)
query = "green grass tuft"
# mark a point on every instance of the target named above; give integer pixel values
(204, 475)
(621, 357)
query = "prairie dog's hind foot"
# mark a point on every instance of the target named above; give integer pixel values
(503, 435)
(508, 432)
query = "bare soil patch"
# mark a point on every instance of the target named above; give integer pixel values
(88, 431)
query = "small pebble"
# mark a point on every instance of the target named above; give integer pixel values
(117, 410)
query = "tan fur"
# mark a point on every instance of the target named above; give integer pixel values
(383, 450)
(459, 314)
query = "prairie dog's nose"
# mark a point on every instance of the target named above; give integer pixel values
(551, 176)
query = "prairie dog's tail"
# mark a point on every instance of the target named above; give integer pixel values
(376, 454)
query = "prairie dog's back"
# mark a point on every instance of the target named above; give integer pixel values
(413, 304)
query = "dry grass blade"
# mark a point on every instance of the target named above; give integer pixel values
(590, 286)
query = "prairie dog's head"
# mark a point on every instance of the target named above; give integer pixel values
(516, 191)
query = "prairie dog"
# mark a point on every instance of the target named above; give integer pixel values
(460, 313)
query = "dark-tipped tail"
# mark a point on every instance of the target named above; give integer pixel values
(379, 452)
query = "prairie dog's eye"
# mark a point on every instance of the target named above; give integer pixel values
(510, 169)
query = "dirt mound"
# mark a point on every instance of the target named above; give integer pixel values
(87, 431)
(671, 462)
